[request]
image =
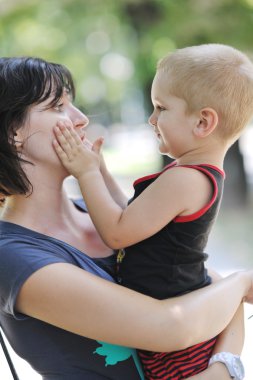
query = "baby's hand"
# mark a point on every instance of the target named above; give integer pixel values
(77, 156)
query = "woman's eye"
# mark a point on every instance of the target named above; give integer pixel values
(59, 107)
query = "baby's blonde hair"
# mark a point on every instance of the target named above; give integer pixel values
(216, 76)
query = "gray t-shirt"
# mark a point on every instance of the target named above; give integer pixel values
(53, 352)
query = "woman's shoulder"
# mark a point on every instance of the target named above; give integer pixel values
(22, 244)
(21, 254)
(24, 251)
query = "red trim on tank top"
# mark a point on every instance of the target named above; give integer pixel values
(203, 210)
(212, 167)
(150, 176)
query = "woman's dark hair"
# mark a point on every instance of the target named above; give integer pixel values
(24, 81)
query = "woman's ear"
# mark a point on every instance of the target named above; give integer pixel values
(18, 141)
(207, 122)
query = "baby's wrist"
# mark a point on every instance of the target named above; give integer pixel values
(88, 174)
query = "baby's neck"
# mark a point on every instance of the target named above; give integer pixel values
(197, 157)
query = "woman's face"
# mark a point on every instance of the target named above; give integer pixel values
(37, 133)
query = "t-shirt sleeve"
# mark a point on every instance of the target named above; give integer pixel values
(18, 261)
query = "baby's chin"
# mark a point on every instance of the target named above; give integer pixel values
(162, 149)
(165, 152)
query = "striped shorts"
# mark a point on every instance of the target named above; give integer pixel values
(177, 365)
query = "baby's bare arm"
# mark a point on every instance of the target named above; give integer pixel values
(172, 194)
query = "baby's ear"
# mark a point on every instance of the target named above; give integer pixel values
(207, 122)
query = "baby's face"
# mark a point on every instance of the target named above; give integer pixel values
(171, 123)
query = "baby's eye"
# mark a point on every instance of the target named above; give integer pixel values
(160, 108)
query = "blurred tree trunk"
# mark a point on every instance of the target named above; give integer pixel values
(235, 189)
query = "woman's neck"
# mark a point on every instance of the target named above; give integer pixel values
(46, 207)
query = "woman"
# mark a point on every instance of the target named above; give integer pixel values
(58, 304)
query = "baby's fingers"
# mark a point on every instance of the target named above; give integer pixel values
(97, 145)
(87, 144)
(60, 152)
(63, 137)
(67, 133)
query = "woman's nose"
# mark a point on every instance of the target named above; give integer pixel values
(79, 119)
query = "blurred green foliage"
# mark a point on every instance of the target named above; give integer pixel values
(112, 46)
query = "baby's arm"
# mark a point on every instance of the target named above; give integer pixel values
(121, 226)
(116, 192)
(113, 187)
(77, 165)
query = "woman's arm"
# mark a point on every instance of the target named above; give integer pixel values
(230, 340)
(70, 298)
(217, 371)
